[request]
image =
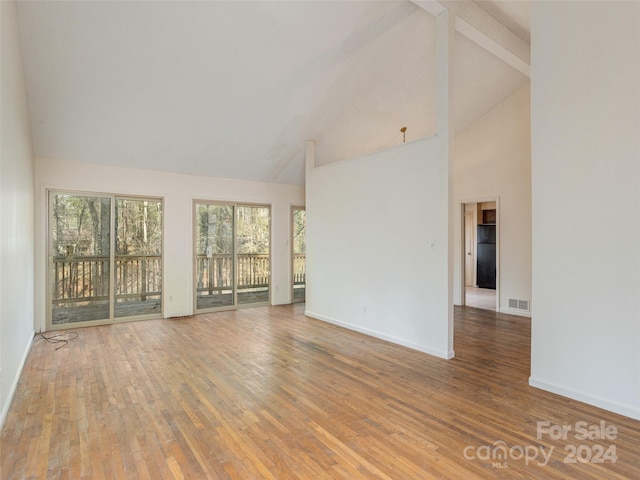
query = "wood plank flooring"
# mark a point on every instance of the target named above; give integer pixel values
(267, 393)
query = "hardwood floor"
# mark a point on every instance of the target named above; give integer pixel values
(268, 393)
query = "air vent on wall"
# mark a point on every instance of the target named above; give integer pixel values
(519, 304)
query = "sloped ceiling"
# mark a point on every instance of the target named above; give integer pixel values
(234, 89)
(514, 14)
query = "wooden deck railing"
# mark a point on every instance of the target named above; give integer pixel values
(215, 272)
(86, 278)
(138, 276)
(79, 278)
(299, 268)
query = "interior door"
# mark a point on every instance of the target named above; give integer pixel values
(469, 266)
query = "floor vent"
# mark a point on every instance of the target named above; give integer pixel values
(519, 304)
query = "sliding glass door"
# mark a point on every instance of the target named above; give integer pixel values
(105, 258)
(138, 259)
(80, 258)
(232, 255)
(252, 234)
(214, 247)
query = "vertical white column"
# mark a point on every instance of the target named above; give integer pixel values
(310, 161)
(445, 37)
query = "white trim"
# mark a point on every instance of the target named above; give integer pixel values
(462, 268)
(463, 253)
(373, 333)
(491, 46)
(434, 7)
(481, 28)
(14, 384)
(622, 409)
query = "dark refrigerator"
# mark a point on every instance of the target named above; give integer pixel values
(486, 256)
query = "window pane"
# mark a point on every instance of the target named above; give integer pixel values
(299, 254)
(299, 227)
(253, 237)
(214, 256)
(80, 250)
(138, 259)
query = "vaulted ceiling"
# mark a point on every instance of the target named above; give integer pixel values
(234, 89)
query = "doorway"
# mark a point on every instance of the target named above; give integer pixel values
(480, 243)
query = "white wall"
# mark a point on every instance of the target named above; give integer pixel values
(178, 191)
(16, 214)
(377, 245)
(585, 97)
(493, 160)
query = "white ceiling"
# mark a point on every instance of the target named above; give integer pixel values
(515, 15)
(234, 89)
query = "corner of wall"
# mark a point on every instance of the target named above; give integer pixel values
(14, 382)
(16, 212)
(612, 406)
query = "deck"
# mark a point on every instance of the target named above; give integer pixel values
(81, 284)
(100, 311)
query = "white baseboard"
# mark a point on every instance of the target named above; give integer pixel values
(626, 410)
(515, 311)
(383, 336)
(16, 379)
